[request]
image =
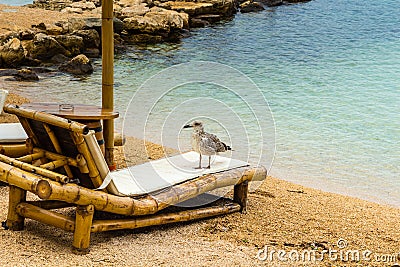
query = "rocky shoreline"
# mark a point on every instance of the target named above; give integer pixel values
(68, 45)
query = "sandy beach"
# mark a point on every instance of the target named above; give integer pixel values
(283, 223)
(281, 216)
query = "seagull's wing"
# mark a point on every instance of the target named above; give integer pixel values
(220, 146)
(207, 145)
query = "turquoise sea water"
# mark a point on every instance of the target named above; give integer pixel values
(16, 2)
(330, 71)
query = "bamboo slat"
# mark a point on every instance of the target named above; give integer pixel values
(158, 219)
(52, 165)
(33, 169)
(57, 147)
(31, 157)
(45, 216)
(55, 156)
(46, 118)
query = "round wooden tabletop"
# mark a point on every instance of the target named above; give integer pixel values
(73, 111)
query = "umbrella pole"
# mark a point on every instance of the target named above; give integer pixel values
(107, 38)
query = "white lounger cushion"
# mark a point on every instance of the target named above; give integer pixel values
(163, 173)
(158, 174)
(12, 133)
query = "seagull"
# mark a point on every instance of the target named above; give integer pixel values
(205, 143)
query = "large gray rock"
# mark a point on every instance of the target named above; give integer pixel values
(72, 10)
(190, 8)
(12, 53)
(225, 8)
(26, 75)
(271, 3)
(74, 44)
(45, 47)
(158, 21)
(91, 38)
(49, 29)
(27, 34)
(297, 1)
(52, 4)
(250, 6)
(198, 23)
(5, 37)
(84, 5)
(143, 38)
(79, 65)
(130, 11)
(118, 25)
(126, 3)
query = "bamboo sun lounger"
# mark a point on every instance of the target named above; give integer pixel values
(65, 168)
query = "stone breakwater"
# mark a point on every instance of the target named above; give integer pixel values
(69, 44)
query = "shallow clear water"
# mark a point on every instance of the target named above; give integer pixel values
(16, 2)
(330, 71)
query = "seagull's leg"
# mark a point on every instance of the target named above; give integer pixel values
(209, 162)
(199, 163)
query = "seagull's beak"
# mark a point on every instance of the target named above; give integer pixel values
(187, 126)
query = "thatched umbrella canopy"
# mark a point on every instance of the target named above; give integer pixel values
(107, 37)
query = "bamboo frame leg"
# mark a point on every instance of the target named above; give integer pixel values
(240, 195)
(109, 143)
(83, 225)
(15, 222)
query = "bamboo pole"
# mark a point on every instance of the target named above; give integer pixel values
(53, 156)
(18, 177)
(84, 150)
(119, 139)
(13, 150)
(31, 157)
(15, 221)
(83, 224)
(166, 218)
(50, 204)
(107, 37)
(240, 195)
(33, 169)
(148, 204)
(46, 118)
(52, 165)
(45, 216)
(57, 147)
(82, 164)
